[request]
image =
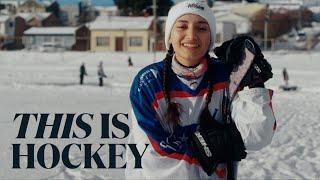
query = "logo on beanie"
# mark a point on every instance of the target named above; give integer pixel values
(197, 6)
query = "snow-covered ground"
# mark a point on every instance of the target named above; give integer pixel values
(33, 82)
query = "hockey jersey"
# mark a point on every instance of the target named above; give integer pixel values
(169, 155)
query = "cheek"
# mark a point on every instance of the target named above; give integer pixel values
(206, 39)
(175, 37)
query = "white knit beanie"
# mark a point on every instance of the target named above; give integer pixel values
(198, 7)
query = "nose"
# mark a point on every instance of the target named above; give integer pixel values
(192, 33)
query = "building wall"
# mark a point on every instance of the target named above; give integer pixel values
(34, 22)
(126, 35)
(70, 15)
(145, 41)
(51, 20)
(82, 39)
(7, 29)
(224, 31)
(36, 41)
(2, 28)
(21, 26)
(101, 33)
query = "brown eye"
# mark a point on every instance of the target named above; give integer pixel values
(181, 26)
(203, 28)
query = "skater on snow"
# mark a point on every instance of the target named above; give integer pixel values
(101, 73)
(182, 98)
(285, 76)
(130, 62)
(83, 73)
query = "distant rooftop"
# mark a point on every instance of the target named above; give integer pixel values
(121, 22)
(51, 30)
(28, 16)
(292, 2)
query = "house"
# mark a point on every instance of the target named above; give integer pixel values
(40, 19)
(69, 15)
(243, 25)
(280, 18)
(107, 11)
(61, 37)
(6, 25)
(115, 33)
(7, 28)
(31, 6)
(82, 35)
(225, 6)
(7, 9)
(24, 21)
(224, 31)
(229, 25)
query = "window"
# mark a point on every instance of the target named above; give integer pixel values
(58, 39)
(135, 41)
(102, 41)
(47, 39)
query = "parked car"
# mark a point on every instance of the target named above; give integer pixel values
(51, 47)
(11, 46)
(301, 36)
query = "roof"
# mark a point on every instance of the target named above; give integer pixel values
(43, 3)
(106, 8)
(230, 17)
(3, 18)
(292, 2)
(51, 31)
(29, 16)
(224, 6)
(120, 22)
(248, 10)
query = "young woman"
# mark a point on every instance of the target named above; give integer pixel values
(170, 97)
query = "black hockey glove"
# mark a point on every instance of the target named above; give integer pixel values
(232, 52)
(209, 147)
(217, 143)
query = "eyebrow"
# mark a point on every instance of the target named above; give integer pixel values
(185, 21)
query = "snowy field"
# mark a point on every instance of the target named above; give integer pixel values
(33, 82)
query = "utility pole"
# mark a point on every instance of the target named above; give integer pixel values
(266, 21)
(299, 18)
(154, 29)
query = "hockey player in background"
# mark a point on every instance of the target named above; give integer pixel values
(101, 73)
(83, 72)
(285, 76)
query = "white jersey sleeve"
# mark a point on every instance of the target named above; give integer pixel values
(253, 115)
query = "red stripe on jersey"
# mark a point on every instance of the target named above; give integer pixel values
(183, 94)
(172, 155)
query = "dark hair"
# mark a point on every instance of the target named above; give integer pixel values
(172, 114)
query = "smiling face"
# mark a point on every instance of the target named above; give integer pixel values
(190, 38)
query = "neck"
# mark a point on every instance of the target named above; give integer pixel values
(185, 66)
(188, 72)
(189, 63)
